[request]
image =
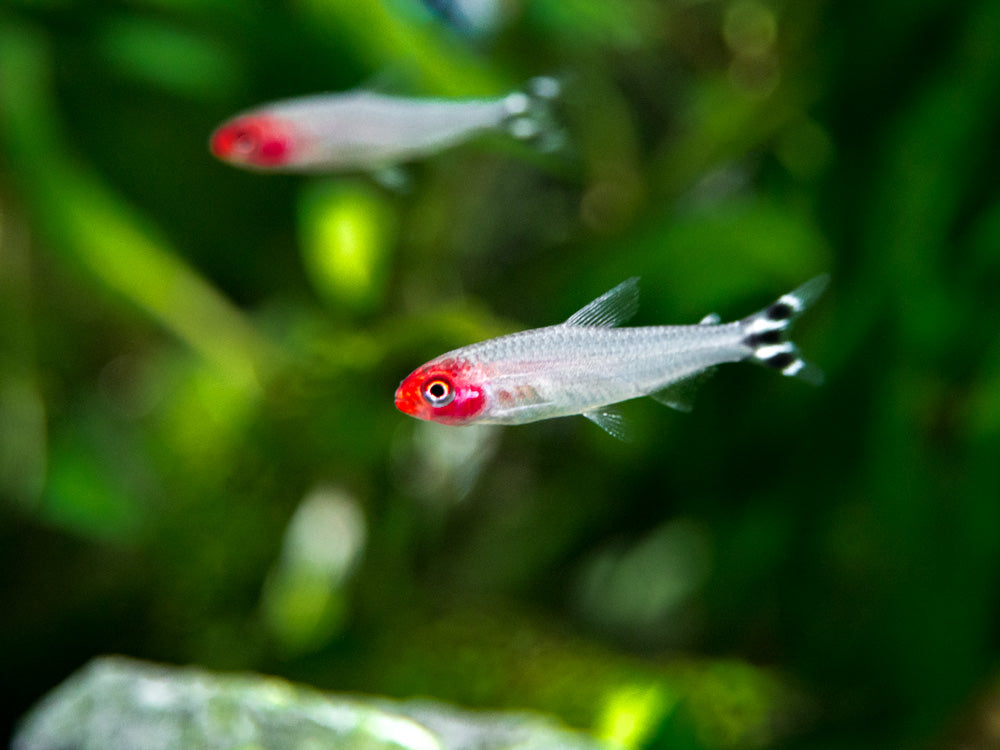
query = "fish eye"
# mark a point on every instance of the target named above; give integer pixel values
(244, 140)
(438, 392)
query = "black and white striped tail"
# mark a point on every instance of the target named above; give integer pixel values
(766, 333)
(530, 115)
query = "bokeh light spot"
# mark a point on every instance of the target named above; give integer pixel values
(347, 232)
(305, 603)
(631, 713)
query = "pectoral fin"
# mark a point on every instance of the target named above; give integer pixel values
(611, 421)
(393, 178)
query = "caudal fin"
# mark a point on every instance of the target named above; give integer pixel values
(766, 332)
(530, 115)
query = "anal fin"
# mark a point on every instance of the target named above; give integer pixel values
(680, 394)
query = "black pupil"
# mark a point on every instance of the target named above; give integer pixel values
(437, 390)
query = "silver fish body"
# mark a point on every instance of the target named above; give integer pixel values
(359, 130)
(563, 370)
(586, 365)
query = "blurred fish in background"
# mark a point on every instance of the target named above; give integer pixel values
(367, 131)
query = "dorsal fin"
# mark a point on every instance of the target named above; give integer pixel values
(611, 308)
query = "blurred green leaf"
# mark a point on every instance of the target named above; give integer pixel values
(176, 60)
(101, 232)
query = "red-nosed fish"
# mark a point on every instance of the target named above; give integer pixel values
(365, 131)
(586, 364)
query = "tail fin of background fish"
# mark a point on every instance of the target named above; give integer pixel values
(766, 333)
(531, 116)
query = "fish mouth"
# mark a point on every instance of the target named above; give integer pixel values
(406, 400)
(218, 144)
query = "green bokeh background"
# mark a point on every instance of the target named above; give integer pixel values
(200, 461)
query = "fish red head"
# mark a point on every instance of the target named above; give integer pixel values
(448, 391)
(254, 141)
